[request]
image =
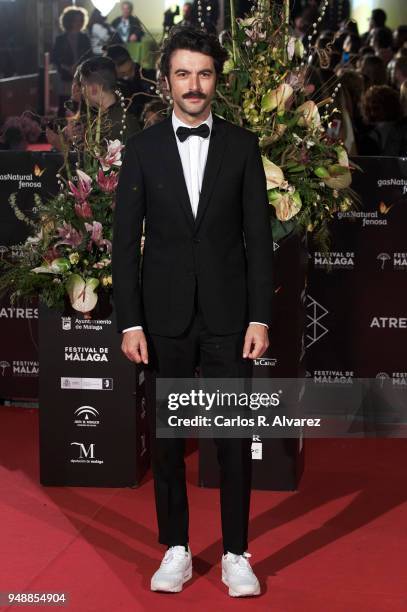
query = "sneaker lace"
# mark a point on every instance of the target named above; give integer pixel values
(242, 564)
(174, 554)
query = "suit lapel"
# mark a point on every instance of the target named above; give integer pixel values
(217, 145)
(215, 155)
(175, 171)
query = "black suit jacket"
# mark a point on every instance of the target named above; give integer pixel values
(227, 250)
(135, 28)
(62, 53)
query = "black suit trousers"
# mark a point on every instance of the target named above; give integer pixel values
(177, 357)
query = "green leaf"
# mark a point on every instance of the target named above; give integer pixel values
(297, 168)
(281, 229)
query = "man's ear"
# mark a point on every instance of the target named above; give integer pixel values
(167, 83)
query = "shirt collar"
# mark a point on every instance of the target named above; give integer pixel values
(176, 122)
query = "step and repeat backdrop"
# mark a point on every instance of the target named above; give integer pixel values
(357, 294)
(22, 175)
(351, 302)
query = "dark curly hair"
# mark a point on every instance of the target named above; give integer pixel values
(192, 39)
(68, 16)
(381, 103)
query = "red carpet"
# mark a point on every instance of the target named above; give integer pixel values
(337, 545)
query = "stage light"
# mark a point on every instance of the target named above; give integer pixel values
(104, 6)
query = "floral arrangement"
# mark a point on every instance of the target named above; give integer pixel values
(264, 88)
(69, 253)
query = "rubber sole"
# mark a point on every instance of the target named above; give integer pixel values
(178, 587)
(233, 593)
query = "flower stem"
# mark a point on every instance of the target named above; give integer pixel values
(287, 23)
(233, 26)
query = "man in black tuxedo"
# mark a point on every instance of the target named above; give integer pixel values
(205, 291)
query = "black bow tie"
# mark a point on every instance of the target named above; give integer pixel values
(202, 130)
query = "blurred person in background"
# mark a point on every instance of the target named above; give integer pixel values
(129, 79)
(99, 83)
(382, 42)
(350, 26)
(128, 27)
(399, 72)
(391, 66)
(60, 136)
(377, 19)
(187, 15)
(399, 37)
(373, 70)
(302, 24)
(363, 51)
(12, 138)
(169, 18)
(353, 82)
(188, 18)
(351, 47)
(70, 49)
(382, 112)
(352, 88)
(100, 32)
(18, 133)
(154, 112)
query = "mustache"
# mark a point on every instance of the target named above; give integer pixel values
(194, 94)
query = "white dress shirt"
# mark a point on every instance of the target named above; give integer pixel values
(193, 153)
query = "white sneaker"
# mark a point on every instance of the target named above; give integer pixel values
(175, 569)
(238, 575)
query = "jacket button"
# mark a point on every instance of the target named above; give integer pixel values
(197, 240)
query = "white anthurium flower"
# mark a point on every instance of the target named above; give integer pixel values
(291, 47)
(343, 158)
(277, 98)
(82, 293)
(274, 174)
(278, 132)
(339, 174)
(309, 115)
(287, 205)
(57, 266)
